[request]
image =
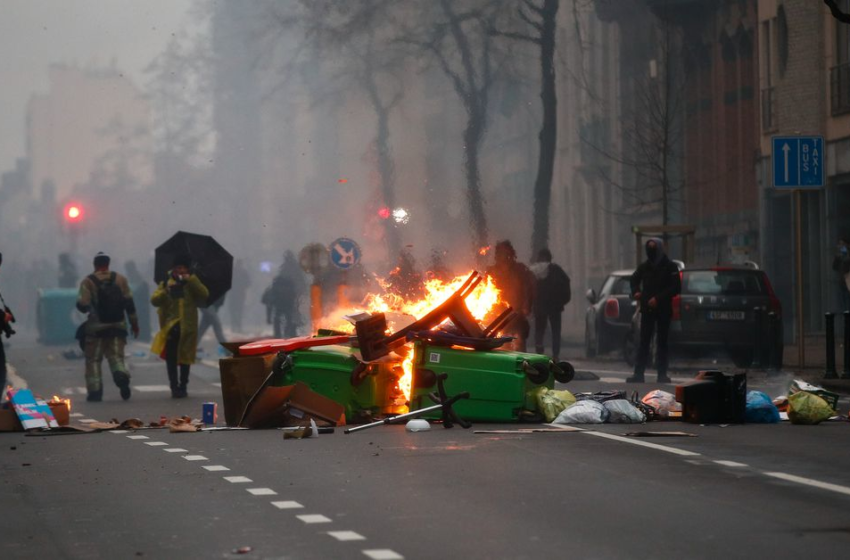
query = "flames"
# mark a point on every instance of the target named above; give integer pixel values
(58, 400)
(481, 303)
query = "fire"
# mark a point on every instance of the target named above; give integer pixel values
(484, 250)
(481, 302)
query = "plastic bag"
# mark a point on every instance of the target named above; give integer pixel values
(760, 409)
(807, 408)
(583, 412)
(663, 402)
(551, 403)
(601, 396)
(621, 411)
(830, 397)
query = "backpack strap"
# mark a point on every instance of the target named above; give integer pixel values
(112, 277)
(95, 280)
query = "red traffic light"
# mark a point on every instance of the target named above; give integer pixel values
(384, 212)
(73, 212)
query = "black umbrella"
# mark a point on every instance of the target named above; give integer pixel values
(210, 261)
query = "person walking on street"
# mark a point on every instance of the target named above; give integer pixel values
(281, 300)
(210, 318)
(177, 300)
(516, 283)
(654, 285)
(552, 293)
(107, 298)
(67, 271)
(841, 265)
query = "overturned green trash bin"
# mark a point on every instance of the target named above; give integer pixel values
(57, 317)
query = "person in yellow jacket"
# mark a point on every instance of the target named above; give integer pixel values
(177, 300)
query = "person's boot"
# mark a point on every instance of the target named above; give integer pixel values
(95, 396)
(122, 380)
(664, 378)
(182, 392)
(172, 381)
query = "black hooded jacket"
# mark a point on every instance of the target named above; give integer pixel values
(659, 280)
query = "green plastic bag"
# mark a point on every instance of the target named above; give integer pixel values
(551, 403)
(807, 408)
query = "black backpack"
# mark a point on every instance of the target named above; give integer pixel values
(110, 300)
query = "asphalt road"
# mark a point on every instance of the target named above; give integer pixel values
(747, 491)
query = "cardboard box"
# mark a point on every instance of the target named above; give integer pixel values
(9, 420)
(292, 405)
(241, 377)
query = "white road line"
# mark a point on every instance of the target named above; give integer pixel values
(75, 414)
(314, 518)
(237, 479)
(216, 385)
(151, 388)
(732, 464)
(262, 491)
(67, 390)
(611, 380)
(195, 458)
(87, 420)
(810, 482)
(643, 444)
(287, 505)
(346, 536)
(138, 437)
(176, 450)
(155, 443)
(383, 554)
(216, 468)
(118, 431)
(82, 391)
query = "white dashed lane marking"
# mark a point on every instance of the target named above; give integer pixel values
(216, 468)
(346, 536)
(118, 431)
(156, 443)
(151, 388)
(195, 458)
(383, 554)
(87, 420)
(237, 479)
(313, 518)
(262, 491)
(655, 446)
(175, 450)
(287, 505)
(138, 437)
(810, 482)
(732, 464)
(76, 415)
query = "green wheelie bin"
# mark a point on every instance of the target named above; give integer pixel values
(498, 381)
(57, 317)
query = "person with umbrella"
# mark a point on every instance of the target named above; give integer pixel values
(177, 299)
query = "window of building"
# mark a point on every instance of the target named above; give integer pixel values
(839, 75)
(768, 73)
(782, 40)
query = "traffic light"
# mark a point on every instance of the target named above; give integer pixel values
(73, 213)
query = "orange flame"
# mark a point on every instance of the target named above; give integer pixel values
(59, 400)
(484, 250)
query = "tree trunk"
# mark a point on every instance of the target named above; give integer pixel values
(472, 140)
(548, 131)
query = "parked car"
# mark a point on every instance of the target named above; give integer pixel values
(609, 314)
(722, 308)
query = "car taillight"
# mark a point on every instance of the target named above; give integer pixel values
(612, 308)
(677, 308)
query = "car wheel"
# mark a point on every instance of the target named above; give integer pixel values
(589, 347)
(742, 357)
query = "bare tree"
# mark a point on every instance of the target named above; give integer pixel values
(458, 38)
(540, 19)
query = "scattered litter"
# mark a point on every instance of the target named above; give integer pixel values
(663, 402)
(242, 550)
(418, 425)
(551, 402)
(799, 386)
(808, 408)
(621, 411)
(760, 409)
(659, 434)
(583, 412)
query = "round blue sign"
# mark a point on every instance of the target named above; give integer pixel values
(345, 253)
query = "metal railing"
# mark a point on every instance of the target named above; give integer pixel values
(839, 86)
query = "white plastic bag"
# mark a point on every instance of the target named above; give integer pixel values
(663, 402)
(622, 411)
(583, 412)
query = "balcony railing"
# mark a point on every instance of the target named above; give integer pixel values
(839, 85)
(768, 110)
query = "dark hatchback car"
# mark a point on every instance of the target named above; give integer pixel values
(608, 317)
(722, 309)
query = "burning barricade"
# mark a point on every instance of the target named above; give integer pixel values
(396, 356)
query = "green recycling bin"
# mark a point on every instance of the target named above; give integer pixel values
(498, 381)
(365, 390)
(57, 317)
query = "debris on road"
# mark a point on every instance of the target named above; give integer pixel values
(659, 434)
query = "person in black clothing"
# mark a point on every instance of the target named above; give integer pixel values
(654, 284)
(841, 265)
(6, 317)
(552, 293)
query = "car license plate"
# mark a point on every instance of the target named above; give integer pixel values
(726, 315)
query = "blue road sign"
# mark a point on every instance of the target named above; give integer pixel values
(345, 253)
(798, 162)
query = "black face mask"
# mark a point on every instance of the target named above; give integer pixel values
(652, 253)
